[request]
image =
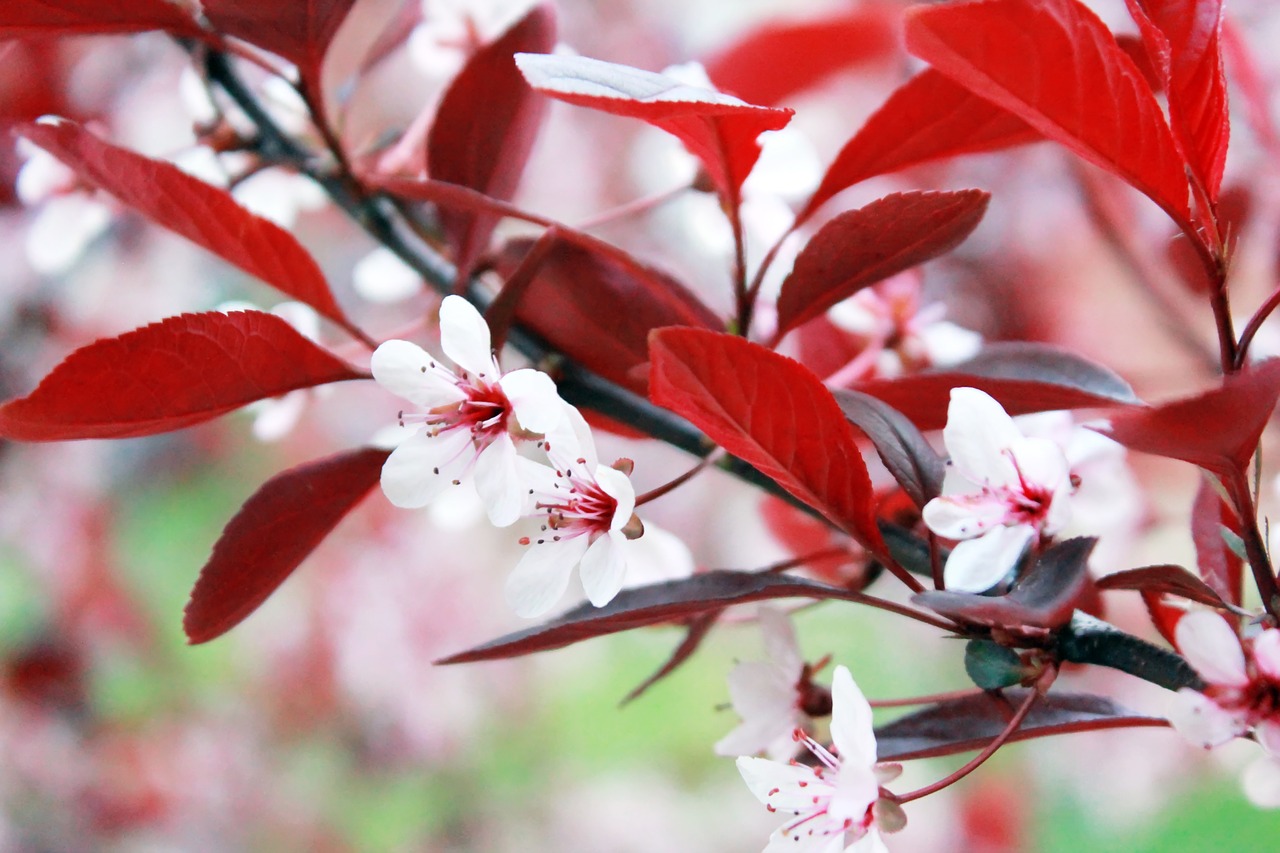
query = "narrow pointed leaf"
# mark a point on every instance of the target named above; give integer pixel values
(1217, 430)
(597, 305)
(718, 129)
(20, 18)
(1183, 40)
(485, 127)
(1055, 65)
(170, 375)
(1164, 579)
(1044, 598)
(772, 413)
(1090, 640)
(784, 57)
(206, 215)
(272, 534)
(971, 723)
(861, 247)
(696, 631)
(653, 604)
(929, 118)
(909, 457)
(1221, 569)
(297, 30)
(1024, 377)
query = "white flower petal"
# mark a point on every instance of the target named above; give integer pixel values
(464, 336)
(381, 277)
(1268, 734)
(1202, 721)
(754, 735)
(799, 841)
(978, 436)
(759, 688)
(62, 230)
(1212, 648)
(851, 730)
(617, 485)
(657, 556)
(856, 789)
(780, 645)
(1040, 462)
(945, 343)
(1266, 653)
(499, 482)
(965, 516)
(570, 440)
(409, 371)
(604, 567)
(872, 842)
(534, 399)
(539, 579)
(277, 417)
(1261, 782)
(786, 787)
(424, 466)
(979, 564)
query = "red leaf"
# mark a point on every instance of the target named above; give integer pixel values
(1217, 430)
(718, 129)
(1164, 617)
(1055, 65)
(272, 533)
(296, 30)
(971, 723)
(863, 246)
(650, 605)
(781, 58)
(79, 17)
(1163, 579)
(170, 375)
(909, 457)
(485, 128)
(774, 414)
(597, 305)
(928, 118)
(1220, 567)
(1024, 377)
(204, 214)
(1182, 38)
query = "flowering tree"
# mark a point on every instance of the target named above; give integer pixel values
(902, 462)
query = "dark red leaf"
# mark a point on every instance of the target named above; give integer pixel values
(297, 30)
(78, 17)
(774, 414)
(928, 118)
(170, 375)
(718, 129)
(909, 457)
(204, 214)
(1221, 568)
(1183, 40)
(1217, 430)
(971, 723)
(696, 631)
(1024, 377)
(485, 127)
(1164, 579)
(1044, 598)
(649, 605)
(597, 305)
(1055, 65)
(272, 534)
(780, 58)
(863, 246)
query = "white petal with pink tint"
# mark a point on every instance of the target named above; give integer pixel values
(540, 578)
(409, 371)
(499, 482)
(976, 565)
(1262, 782)
(603, 567)
(1203, 722)
(1266, 653)
(979, 435)
(464, 337)
(534, 399)
(1212, 648)
(423, 466)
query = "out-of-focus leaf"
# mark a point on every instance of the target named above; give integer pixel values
(297, 30)
(485, 127)
(928, 118)
(272, 534)
(649, 605)
(597, 304)
(1090, 640)
(1044, 598)
(1024, 377)
(772, 413)
(909, 457)
(718, 129)
(1055, 65)
(19, 18)
(1221, 568)
(170, 375)
(1167, 579)
(1182, 38)
(860, 247)
(1217, 430)
(971, 723)
(781, 58)
(204, 214)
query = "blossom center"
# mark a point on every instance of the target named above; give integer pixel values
(577, 505)
(484, 413)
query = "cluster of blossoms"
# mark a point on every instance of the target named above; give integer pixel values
(474, 419)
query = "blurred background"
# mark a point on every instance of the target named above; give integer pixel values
(321, 723)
